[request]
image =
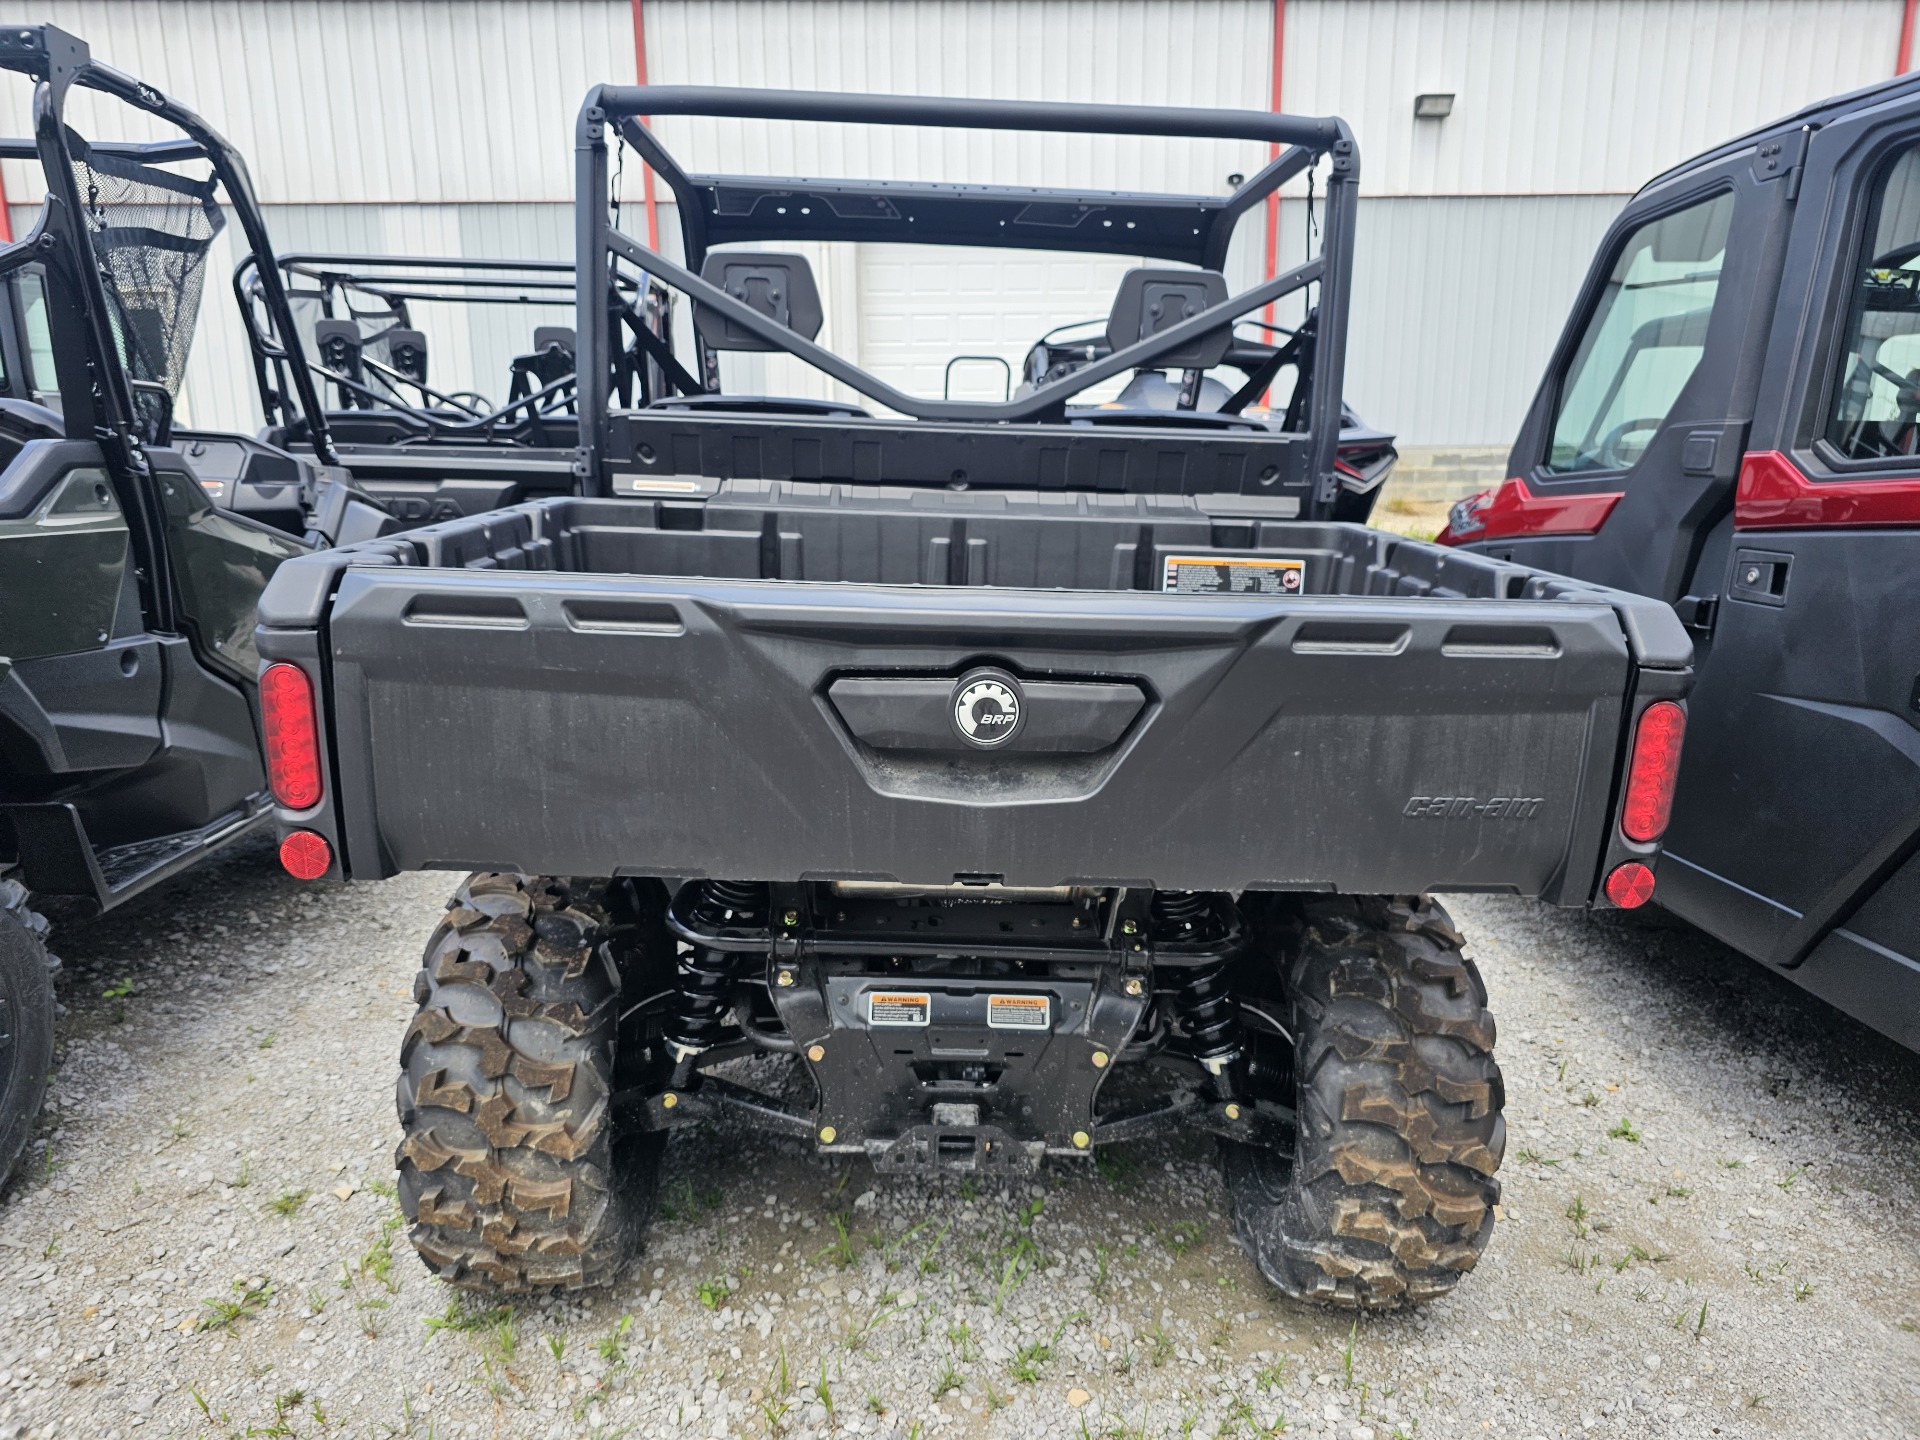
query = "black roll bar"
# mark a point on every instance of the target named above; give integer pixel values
(60, 61)
(600, 245)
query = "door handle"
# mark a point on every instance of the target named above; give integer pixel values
(1760, 577)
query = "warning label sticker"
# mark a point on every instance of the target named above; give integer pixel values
(1019, 1012)
(898, 1009)
(1233, 575)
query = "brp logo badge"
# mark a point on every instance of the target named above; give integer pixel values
(987, 708)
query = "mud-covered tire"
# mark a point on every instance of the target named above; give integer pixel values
(512, 1177)
(1388, 1199)
(26, 1021)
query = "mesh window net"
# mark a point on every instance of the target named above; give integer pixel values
(151, 230)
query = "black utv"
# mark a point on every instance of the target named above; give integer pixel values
(1731, 422)
(1028, 774)
(131, 554)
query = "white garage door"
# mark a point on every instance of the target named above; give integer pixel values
(921, 305)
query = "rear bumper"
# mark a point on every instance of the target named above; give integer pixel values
(577, 724)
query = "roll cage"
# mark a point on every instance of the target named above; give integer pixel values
(375, 293)
(59, 61)
(95, 332)
(718, 210)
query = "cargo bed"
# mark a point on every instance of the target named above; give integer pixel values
(758, 685)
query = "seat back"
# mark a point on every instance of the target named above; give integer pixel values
(778, 286)
(1154, 300)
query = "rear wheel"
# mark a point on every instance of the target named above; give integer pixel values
(26, 1021)
(511, 1173)
(1388, 1197)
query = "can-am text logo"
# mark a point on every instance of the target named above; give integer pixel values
(1454, 807)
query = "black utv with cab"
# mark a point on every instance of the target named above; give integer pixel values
(1032, 775)
(132, 554)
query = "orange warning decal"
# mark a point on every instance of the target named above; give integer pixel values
(1019, 1012)
(1233, 575)
(909, 1009)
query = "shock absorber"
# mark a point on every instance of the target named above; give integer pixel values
(1208, 1009)
(707, 976)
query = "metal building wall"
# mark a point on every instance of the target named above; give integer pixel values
(1569, 96)
(406, 120)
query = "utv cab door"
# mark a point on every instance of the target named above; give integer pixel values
(1630, 450)
(1798, 824)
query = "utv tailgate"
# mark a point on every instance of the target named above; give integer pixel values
(569, 723)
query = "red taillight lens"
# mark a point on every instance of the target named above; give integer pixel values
(1629, 886)
(1652, 771)
(306, 855)
(293, 736)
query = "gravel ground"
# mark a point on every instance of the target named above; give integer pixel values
(1708, 1230)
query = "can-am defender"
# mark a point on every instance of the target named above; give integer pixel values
(1034, 775)
(131, 553)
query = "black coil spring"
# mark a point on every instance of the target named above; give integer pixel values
(731, 904)
(700, 1009)
(1211, 1016)
(1181, 915)
(707, 977)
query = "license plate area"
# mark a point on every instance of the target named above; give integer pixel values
(958, 1073)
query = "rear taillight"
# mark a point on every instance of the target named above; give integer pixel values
(1652, 772)
(305, 855)
(293, 736)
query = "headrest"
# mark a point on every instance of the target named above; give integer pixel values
(561, 335)
(338, 345)
(1154, 300)
(778, 286)
(407, 352)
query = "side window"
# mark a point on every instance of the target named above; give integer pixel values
(1876, 405)
(1642, 341)
(39, 339)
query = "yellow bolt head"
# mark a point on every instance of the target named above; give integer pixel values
(1081, 1139)
(816, 1052)
(1100, 1058)
(669, 1100)
(1233, 1112)
(784, 978)
(828, 1134)
(1129, 927)
(1134, 985)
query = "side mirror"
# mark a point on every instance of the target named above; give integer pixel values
(155, 404)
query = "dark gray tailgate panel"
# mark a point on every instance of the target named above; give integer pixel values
(575, 724)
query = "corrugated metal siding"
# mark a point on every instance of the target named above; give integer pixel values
(1559, 96)
(1456, 305)
(1152, 52)
(423, 124)
(360, 100)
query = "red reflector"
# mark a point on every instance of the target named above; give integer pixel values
(307, 856)
(1629, 886)
(1773, 494)
(1513, 509)
(1652, 771)
(293, 736)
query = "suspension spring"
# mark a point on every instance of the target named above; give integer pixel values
(1212, 1019)
(1208, 1009)
(707, 977)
